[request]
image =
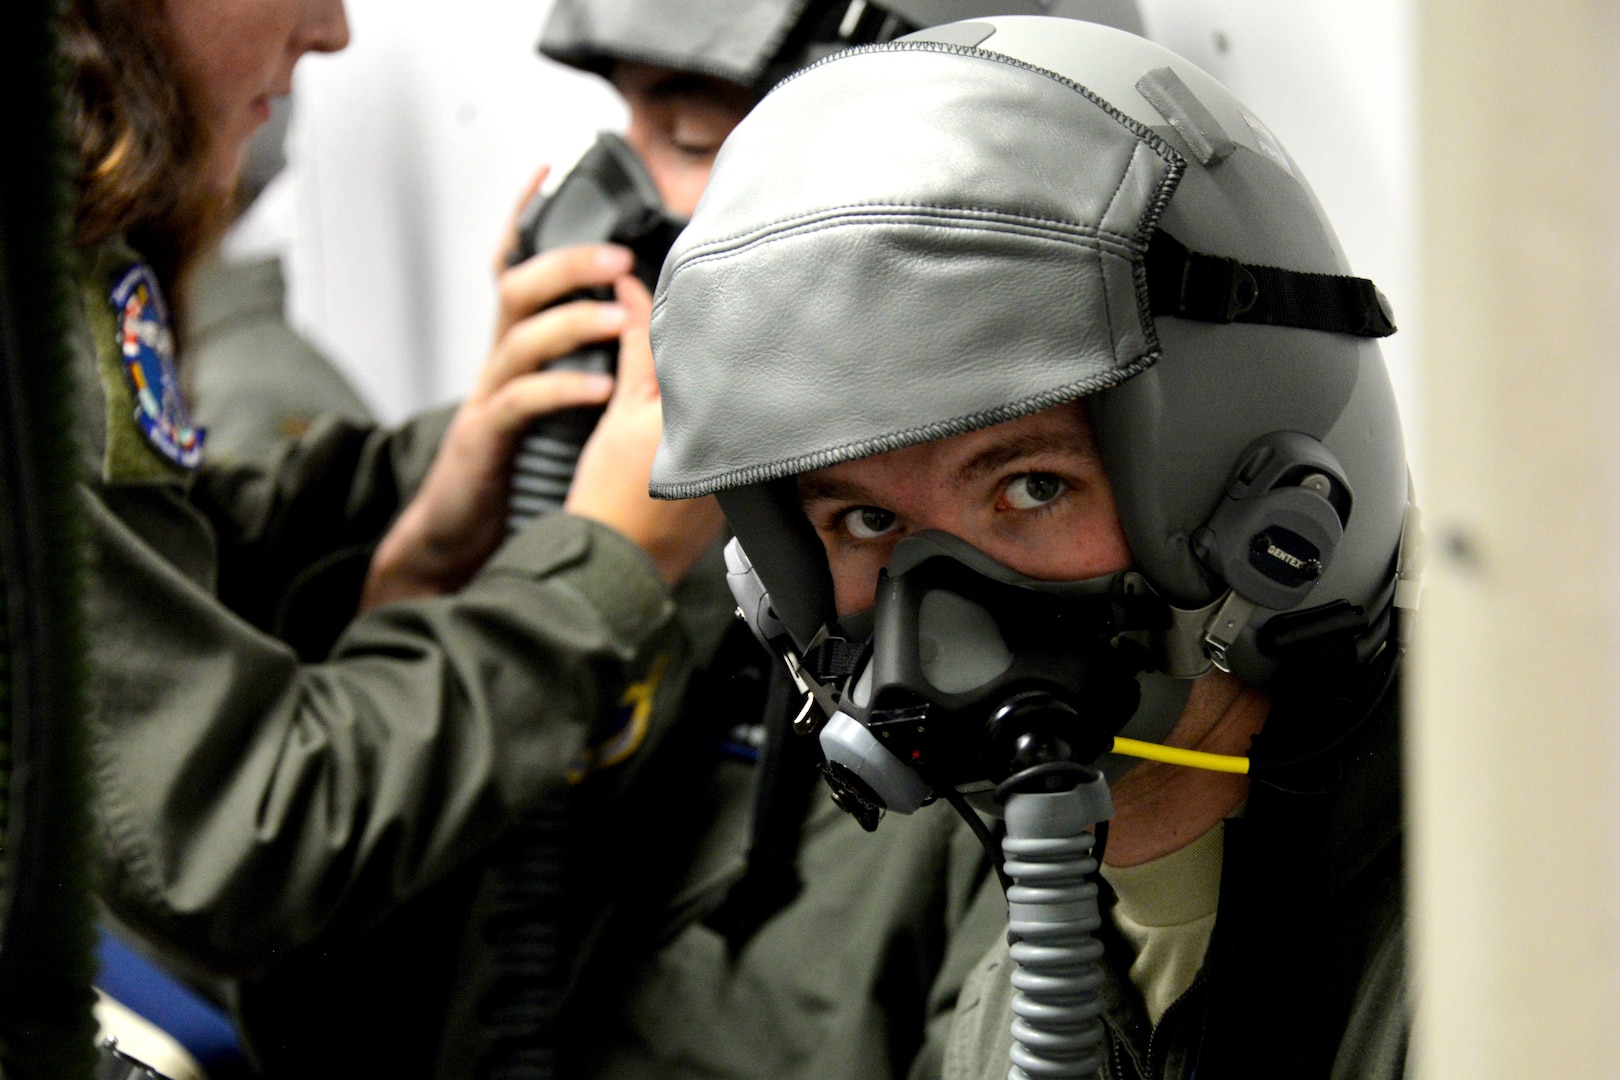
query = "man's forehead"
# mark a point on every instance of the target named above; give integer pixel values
(662, 84)
(1061, 431)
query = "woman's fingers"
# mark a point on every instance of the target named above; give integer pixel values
(550, 276)
(509, 236)
(553, 333)
(629, 291)
(636, 375)
(524, 399)
(610, 483)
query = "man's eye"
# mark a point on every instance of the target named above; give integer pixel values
(868, 522)
(695, 149)
(1032, 490)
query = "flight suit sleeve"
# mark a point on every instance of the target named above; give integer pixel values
(294, 538)
(977, 919)
(980, 1040)
(249, 802)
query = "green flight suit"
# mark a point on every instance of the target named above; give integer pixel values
(261, 786)
(855, 979)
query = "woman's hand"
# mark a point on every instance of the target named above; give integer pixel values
(458, 518)
(610, 484)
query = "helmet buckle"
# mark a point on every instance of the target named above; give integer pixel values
(1215, 288)
(1193, 285)
(1225, 626)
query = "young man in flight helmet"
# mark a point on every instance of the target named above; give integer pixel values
(1051, 422)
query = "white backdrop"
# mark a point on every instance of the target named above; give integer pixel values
(408, 152)
(1335, 82)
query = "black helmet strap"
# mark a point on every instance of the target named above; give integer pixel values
(1213, 288)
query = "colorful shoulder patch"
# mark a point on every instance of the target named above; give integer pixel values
(146, 342)
(630, 723)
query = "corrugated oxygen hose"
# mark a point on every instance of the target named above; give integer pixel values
(1052, 911)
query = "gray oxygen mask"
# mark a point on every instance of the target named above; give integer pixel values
(608, 197)
(974, 672)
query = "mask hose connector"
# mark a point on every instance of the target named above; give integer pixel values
(1057, 1026)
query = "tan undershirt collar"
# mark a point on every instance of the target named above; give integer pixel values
(1166, 911)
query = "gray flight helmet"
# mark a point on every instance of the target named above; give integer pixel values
(755, 43)
(986, 219)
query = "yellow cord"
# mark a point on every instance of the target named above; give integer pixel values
(1171, 755)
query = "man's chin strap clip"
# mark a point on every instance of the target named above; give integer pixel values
(1196, 639)
(1214, 288)
(820, 672)
(812, 714)
(1230, 617)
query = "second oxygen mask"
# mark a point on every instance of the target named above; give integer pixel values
(607, 197)
(975, 673)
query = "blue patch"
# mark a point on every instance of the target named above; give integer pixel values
(146, 344)
(737, 751)
(743, 742)
(630, 723)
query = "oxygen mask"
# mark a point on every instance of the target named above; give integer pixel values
(965, 673)
(608, 197)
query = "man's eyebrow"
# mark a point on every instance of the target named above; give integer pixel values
(678, 84)
(813, 488)
(1029, 444)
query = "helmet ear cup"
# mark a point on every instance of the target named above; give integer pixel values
(1276, 528)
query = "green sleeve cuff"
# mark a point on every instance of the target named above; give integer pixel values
(603, 565)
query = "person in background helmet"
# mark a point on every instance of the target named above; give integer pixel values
(1051, 422)
(688, 73)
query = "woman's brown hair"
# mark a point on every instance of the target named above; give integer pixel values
(141, 150)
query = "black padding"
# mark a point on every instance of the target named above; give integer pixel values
(785, 781)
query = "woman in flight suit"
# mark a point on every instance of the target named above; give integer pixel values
(319, 688)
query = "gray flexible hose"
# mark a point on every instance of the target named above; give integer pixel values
(1057, 1026)
(542, 473)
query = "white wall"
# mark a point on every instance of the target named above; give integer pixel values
(1335, 82)
(1514, 764)
(408, 151)
(406, 155)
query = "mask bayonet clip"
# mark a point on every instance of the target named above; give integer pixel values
(1224, 627)
(1180, 649)
(810, 717)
